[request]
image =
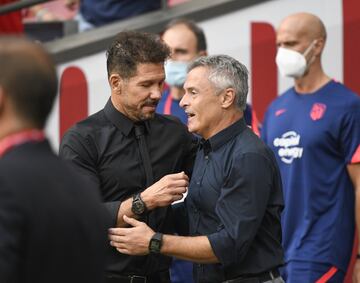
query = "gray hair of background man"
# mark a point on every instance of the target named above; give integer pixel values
(226, 72)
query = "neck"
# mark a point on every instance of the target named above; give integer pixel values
(13, 126)
(177, 93)
(227, 120)
(312, 81)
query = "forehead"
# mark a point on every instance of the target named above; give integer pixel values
(198, 78)
(291, 30)
(180, 36)
(149, 71)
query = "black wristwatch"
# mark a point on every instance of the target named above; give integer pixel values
(155, 243)
(138, 206)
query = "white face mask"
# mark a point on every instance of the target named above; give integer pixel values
(175, 73)
(292, 63)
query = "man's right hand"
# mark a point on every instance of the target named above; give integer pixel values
(164, 192)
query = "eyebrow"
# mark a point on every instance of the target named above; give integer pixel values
(191, 88)
(180, 50)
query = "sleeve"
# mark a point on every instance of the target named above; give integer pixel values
(350, 134)
(180, 218)
(81, 152)
(241, 207)
(11, 223)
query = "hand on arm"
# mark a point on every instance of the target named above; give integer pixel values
(164, 192)
(354, 173)
(135, 241)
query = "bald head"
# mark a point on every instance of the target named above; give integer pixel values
(304, 25)
(28, 79)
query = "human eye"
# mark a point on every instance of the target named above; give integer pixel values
(145, 84)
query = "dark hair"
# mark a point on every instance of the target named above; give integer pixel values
(28, 77)
(131, 48)
(191, 25)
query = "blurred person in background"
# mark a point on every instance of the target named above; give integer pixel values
(314, 131)
(53, 226)
(94, 13)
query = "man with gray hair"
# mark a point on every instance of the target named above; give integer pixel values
(235, 195)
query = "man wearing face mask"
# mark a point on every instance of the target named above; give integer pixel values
(314, 131)
(187, 42)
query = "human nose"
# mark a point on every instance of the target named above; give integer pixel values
(184, 101)
(156, 93)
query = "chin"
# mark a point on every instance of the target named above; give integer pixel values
(192, 129)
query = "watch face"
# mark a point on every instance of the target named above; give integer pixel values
(155, 246)
(138, 207)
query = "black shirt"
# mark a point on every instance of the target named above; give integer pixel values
(104, 148)
(235, 198)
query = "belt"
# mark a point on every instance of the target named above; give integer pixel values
(161, 277)
(254, 278)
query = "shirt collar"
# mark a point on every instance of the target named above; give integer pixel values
(123, 123)
(223, 136)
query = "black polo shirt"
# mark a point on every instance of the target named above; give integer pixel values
(103, 147)
(235, 198)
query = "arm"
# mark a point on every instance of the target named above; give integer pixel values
(10, 235)
(354, 173)
(135, 241)
(241, 207)
(82, 154)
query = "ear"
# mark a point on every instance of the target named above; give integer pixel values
(228, 98)
(115, 82)
(319, 46)
(202, 53)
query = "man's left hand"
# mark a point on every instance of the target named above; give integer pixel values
(134, 240)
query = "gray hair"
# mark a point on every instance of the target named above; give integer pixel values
(226, 72)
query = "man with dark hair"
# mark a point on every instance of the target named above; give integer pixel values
(139, 160)
(234, 215)
(53, 226)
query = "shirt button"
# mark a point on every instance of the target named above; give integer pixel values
(197, 183)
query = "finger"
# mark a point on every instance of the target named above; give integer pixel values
(178, 190)
(123, 251)
(117, 244)
(177, 197)
(115, 238)
(131, 221)
(118, 231)
(180, 175)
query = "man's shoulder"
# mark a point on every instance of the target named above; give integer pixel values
(344, 96)
(169, 120)
(250, 143)
(284, 99)
(89, 125)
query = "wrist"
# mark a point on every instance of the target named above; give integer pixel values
(148, 200)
